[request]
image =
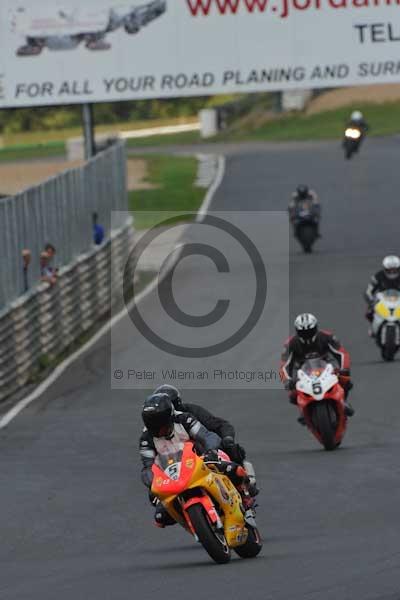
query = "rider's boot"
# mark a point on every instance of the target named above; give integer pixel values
(252, 487)
(348, 409)
(248, 501)
(162, 518)
(238, 475)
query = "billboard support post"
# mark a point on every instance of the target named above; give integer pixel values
(88, 130)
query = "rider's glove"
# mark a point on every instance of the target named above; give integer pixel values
(235, 451)
(147, 477)
(211, 456)
(369, 314)
(153, 499)
(228, 444)
(344, 372)
(290, 385)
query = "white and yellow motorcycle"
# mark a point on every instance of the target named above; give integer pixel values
(386, 323)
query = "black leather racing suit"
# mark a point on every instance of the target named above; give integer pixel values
(204, 440)
(186, 427)
(220, 426)
(325, 345)
(362, 125)
(311, 202)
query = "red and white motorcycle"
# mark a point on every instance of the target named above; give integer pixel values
(321, 400)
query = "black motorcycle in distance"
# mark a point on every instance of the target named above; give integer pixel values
(306, 226)
(353, 137)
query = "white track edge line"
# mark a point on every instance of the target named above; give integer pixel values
(59, 370)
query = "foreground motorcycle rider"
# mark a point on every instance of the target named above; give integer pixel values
(387, 278)
(310, 340)
(164, 427)
(218, 425)
(304, 194)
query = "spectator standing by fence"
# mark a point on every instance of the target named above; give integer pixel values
(98, 230)
(26, 261)
(51, 252)
(51, 212)
(46, 272)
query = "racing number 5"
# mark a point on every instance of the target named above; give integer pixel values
(317, 389)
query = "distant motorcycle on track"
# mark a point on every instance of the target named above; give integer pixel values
(353, 137)
(386, 323)
(305, 226)
(321, 400)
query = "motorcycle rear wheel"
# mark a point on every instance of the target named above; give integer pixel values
(213, 542)
(253, 545)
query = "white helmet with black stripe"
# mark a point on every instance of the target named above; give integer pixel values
(391, 266)
(306, 326)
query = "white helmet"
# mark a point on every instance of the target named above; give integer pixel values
(356, 115)
(306, 326)
(391, 266)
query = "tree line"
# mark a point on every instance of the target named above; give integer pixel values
(46, 118)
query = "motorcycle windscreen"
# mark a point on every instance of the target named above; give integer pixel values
(170, 461)
(314, 367)
(392, 296)
(303, 209)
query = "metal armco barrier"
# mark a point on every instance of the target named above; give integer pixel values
(42, 324)
(59, 211)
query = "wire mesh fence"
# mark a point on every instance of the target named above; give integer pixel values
(59, 211)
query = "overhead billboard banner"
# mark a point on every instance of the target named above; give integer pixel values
(70, 51)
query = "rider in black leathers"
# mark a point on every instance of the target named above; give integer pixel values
(309, 339)
(218, 425)
(304, 195)
(164, 425)
(386, 279)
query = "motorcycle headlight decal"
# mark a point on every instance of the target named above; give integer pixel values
(382, 310)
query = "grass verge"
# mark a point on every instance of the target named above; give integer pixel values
(57, 147)
(188, 137)
(29, 151)
(174, 178)
(61, 135)
(384, 119)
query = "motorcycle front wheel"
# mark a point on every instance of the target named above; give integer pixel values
(390, 348)
(348, 149)
(325, 423)
(212, 540)
(307, 235)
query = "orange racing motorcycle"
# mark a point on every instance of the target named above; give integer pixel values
(206, 503)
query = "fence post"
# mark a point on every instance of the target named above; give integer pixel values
(88, 130)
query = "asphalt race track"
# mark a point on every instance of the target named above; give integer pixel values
(74, 520)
